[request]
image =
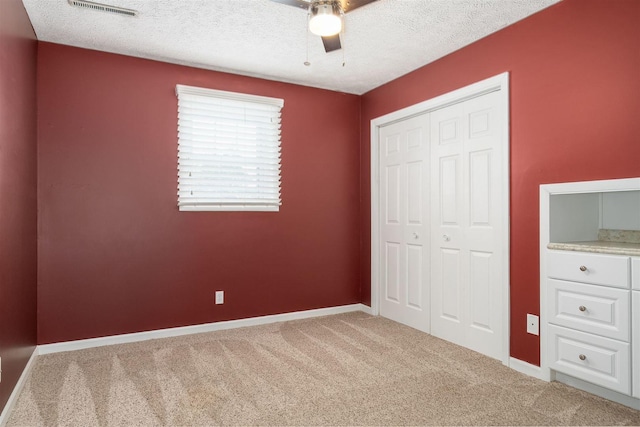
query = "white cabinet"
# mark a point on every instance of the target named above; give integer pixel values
(636, 343)
(635, 324)
(590, 286)
(635, 274)
(589, 309)
(592, 358)
(597, 269)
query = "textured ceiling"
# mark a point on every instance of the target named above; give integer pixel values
(382, 40)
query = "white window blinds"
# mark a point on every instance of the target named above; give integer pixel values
(228, 151)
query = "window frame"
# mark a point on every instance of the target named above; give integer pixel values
(264, 149)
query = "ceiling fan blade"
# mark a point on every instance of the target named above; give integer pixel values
(349, 5)
(297, 3)
(331, 43)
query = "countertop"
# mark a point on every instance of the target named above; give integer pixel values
(599, 246)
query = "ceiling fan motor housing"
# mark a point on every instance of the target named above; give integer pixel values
(326, 6)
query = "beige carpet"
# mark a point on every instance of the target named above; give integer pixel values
(350, 369)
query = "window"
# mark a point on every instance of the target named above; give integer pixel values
(228, 151)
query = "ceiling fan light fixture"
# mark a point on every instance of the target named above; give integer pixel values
(325, 19)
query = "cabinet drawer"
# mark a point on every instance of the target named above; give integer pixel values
(592, 358)
(608, 270)
(594, 309)
(635, 273)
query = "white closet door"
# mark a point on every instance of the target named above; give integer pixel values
(466, 217)
(404, 214)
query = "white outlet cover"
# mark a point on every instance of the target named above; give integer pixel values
(533, 324)
(219, 297)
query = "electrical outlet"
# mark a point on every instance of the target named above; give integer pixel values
(219, 297)
(533, 324)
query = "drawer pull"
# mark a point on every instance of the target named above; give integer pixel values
(582, 308)
(582, 357)
(583, 268)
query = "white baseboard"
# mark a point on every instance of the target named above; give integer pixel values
(526, 368)
(620, 398)
(197, 329)
(366, 309)
(13, 398)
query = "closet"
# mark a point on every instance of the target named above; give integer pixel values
(442, 219)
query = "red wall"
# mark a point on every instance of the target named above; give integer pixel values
(18, 206)
(575, 109)
(115, 254)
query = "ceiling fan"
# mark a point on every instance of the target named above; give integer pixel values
(325, 17)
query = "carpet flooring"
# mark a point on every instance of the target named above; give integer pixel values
(348, 369)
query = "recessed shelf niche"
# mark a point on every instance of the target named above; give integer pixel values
(580, 217)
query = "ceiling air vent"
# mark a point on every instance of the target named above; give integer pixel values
(103, 7)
